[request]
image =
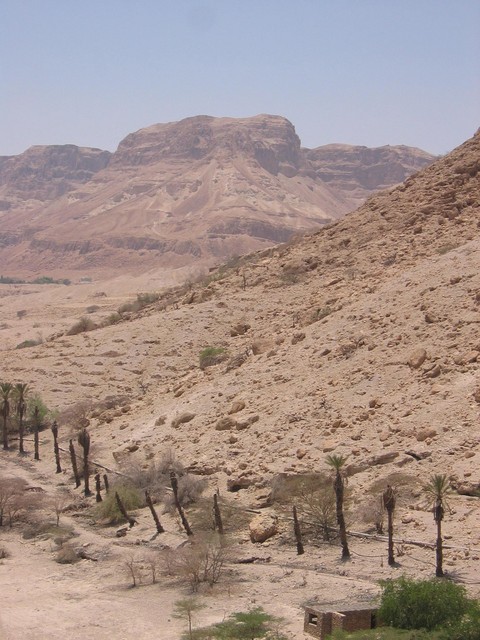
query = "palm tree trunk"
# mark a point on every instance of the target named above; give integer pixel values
(391, 557)
(439, 550)
(5, 432)
(20, 432)
(298, 532)
(340, 517)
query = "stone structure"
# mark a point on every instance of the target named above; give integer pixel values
(322, 620)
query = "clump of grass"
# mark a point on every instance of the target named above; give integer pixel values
(143, 300)
(211, 356)
(28, 343)
(108, 509)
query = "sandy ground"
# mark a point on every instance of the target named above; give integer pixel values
(93, 599)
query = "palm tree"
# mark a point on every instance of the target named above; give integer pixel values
(438, 489)
(84, 442)
(5, 390)
(21, 389)
(337, 463)
(389, 500)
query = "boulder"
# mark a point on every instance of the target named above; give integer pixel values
(263, 527)
(182, 418)
(239, 329)
(417, 358)
(225, 424)
(424, 434)
(237, 406)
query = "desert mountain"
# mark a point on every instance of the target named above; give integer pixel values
(189, 192)
(359, 340)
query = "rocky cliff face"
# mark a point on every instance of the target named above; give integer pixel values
(357, 171)
(175, 194)
(44, 173)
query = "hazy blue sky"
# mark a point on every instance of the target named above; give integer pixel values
(369, 72)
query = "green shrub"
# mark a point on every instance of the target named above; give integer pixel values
(468, 627)
(211, 356)
(422, 604)
(108, 509)
(44, 413)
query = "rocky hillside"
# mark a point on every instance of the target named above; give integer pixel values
(183, 193)
(360, 339)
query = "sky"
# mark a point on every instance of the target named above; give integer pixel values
(367, 72)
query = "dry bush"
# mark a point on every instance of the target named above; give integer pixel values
(48, 531)
(372, 512)
(314, 497)
(190, 488)
(81, 326)
(4, 553)
(404, 483)
(202, 561)
(15, 502)
(156, 479)
(202, 517)
(67, 555)
(75, 417)
(142, 568)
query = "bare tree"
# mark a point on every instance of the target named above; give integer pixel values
(132, 569)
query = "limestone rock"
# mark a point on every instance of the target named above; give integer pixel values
(263, 527)
(237, 406)
(424, 434)
(417, 358)
(182, 418)
(239, 329)
(225, 424)
(298, 337)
